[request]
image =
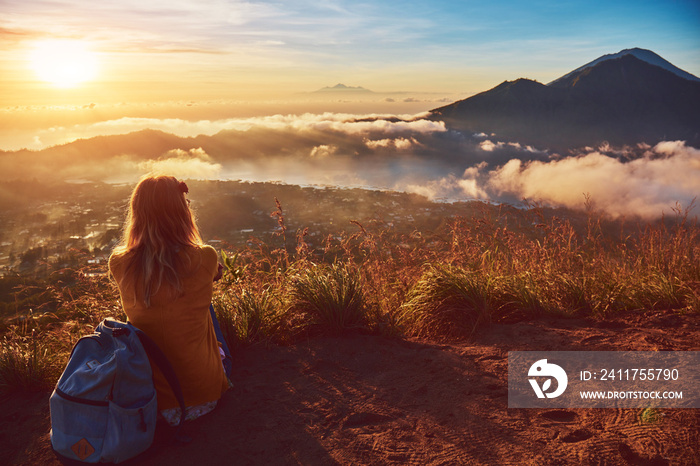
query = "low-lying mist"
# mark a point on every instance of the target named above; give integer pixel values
(399, 152)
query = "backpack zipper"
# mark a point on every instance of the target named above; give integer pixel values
(81, 400)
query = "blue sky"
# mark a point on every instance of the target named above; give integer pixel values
(295, 46)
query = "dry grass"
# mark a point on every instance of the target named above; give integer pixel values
(495, 266)
(326, 298)
(247, 316)
(448, 302)
(26, 365)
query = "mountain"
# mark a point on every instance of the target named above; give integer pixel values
(642, 54)
(619, 99)
(343, 88)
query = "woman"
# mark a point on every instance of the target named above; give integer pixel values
(165, 276)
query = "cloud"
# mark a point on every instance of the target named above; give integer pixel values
(353, 124)
(55, 165)
(396, 143)
(450, 188)
(323, 151)
(192, 164)
(645, 186)
(275, 147)
(402, 152)
(639, 181)
(489, 146)
(338, 122)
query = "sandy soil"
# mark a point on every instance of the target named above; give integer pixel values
(364, 399)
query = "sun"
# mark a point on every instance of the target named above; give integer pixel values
(64, 63)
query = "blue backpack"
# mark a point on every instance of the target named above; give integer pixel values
(104, 406)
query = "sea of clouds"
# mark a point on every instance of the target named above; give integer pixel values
(401, 152)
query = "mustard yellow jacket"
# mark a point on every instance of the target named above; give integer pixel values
(181, 326)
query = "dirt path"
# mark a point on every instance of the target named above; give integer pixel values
(370, 400)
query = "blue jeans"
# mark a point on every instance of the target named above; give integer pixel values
(227, 362)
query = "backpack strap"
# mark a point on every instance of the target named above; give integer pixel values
(161, 360)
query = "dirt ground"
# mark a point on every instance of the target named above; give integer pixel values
(365, 399)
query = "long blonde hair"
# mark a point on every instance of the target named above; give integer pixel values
(158, 225)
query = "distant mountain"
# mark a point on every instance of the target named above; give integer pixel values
(343, 88)
(144, 144)
(620, 99)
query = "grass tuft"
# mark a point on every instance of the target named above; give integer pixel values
(523, 296)
(247, 317)
(329, 298)
(658, 291)
(448, 302)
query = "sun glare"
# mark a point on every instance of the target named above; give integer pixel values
(64, 63)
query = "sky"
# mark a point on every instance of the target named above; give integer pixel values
(201, 50)
(233, 82)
